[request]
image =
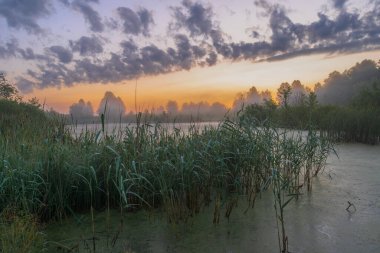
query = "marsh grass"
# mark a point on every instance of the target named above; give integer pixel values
(19, 232)
(49, 173)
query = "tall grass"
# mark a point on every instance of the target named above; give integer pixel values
(51, 173)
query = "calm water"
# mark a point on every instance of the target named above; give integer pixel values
(115, 128)
(317, 222)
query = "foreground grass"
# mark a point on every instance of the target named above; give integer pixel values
(49, 174)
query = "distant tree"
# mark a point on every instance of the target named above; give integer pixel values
(317, 86)
(81, 110)
(35, 102)
(112, 107)
(298, 93)
(341, 88)
(7, 90)
(283, 94)
(172, 107)
(368, 97)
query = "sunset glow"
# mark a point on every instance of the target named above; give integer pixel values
(220, 83)
(73, 50)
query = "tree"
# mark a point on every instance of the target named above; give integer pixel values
(172, 107)
(34, 102)
(7, 90)
(283, 94)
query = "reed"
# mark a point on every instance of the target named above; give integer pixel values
(53, 173)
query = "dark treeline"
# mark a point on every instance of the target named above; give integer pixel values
(345, 107)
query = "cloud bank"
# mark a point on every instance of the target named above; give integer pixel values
(194, 38)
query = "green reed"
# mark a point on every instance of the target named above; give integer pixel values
(51, 173)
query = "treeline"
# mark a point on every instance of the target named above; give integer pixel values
(355, 120)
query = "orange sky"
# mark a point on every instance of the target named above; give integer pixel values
(219, 83)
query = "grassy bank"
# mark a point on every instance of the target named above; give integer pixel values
(49, 174)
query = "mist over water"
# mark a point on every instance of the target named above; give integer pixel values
(119, 128)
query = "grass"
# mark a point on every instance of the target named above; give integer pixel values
(50, 174)
(19, 232)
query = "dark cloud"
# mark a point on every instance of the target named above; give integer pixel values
(65, 2)
(347, 32)
(24, 85)
(344, 48)
(28, 54)
(25, 13)
(184, 52)
(129, 48)
(212, 59)
(154, 60)
(64, 55)
(285, 34)
(195, 17)
(330, 29)
(197, 40)
(9, 49)
(111, 23)
(87, 45)
(339, 4)
(53, 75)
(90, 15)
(136, 23)
(12, 49)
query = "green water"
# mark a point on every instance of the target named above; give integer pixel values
(317, 222)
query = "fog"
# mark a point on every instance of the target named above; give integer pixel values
(112, 107)
(81, 110)
(337, 89)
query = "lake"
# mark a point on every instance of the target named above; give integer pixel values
(317, 222)
(117, 128)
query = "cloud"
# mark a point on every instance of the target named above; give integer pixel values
(24, 85)
(136, 23)
(12, 49)
(90, 15)
(113, 107)
(64, 55)
(194, 39)
(9, 49)
(195, 17)
(329, 29)
(24, 14)
(347, 32)
(81, 110)
(87, 45)
(339, 4)
(53, 74)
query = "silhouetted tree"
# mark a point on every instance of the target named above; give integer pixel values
(7, 90)
(283, 94)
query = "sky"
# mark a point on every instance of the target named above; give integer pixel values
(61, 51)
